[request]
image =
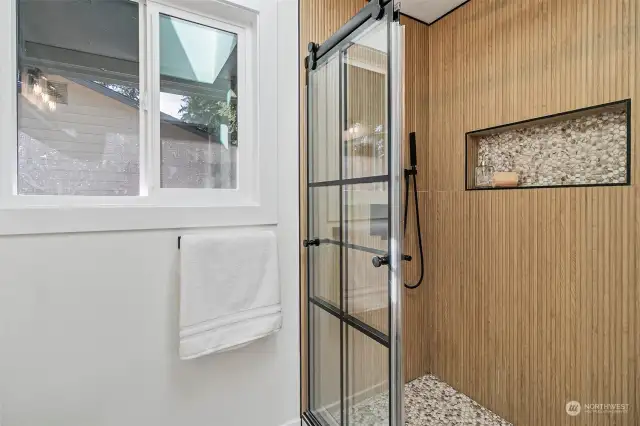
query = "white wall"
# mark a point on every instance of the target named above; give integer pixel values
(89, 321)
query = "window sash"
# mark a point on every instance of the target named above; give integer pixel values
(255, 204)
(150, 190)
(247, 161)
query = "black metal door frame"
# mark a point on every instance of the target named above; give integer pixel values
(318, 55)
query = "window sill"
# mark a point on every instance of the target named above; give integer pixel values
(99, 218)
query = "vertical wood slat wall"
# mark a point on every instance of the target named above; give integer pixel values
(318, 20)
(532, 296)
(416, 119)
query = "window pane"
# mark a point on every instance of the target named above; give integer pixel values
(198, 105)
(78, 90)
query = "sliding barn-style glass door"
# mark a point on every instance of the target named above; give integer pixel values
(353, 238)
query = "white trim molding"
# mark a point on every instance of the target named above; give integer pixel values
(255, 200)
(294, 422)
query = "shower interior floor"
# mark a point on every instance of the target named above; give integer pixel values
(428, 402)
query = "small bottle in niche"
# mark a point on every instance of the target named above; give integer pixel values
(484, 174)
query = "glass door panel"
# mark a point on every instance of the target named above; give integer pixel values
(324, 259)
(366, 112)
(324, 113)
(367, 380)
(365, 164)
(325, 357)
(353, 238)
(366, 235)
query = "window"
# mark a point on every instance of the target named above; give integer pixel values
(198, 105)
(78, 90)
(121, 103)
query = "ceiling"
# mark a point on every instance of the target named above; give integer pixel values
(428, 10)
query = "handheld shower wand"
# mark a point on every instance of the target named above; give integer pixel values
(413, 171)
(412, 150)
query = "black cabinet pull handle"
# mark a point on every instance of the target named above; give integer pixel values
(378, 261)
(314, 242)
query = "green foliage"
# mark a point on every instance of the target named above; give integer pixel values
(230, 112)
(208, 114)
(204, 112)
(127, 91)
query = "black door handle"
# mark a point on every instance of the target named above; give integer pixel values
(378, 261)
(314, 242)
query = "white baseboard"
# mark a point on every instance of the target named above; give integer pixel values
(294, 422)
(361, 395)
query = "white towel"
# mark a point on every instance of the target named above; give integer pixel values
(229, 291)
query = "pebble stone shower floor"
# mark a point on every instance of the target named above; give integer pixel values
(428, 402)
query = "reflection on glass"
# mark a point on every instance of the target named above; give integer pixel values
(365, 133)
(198, 105)
(366, 236)
(78, 92)
(367, 366)
(324, 260)
(324, 137)
(325, 365)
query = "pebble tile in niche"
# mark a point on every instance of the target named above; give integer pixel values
(428, 402)
(588, 150)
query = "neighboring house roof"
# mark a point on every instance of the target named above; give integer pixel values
(164, 118)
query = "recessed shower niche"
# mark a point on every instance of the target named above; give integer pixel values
(578, 148)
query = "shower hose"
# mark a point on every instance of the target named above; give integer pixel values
(407, 177)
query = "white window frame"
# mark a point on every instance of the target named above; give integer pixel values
(247, 161)
(254, 202)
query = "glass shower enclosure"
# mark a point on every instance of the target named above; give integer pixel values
(353, 241)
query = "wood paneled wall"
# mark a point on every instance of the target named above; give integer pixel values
(416, 114)
(532, 297)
